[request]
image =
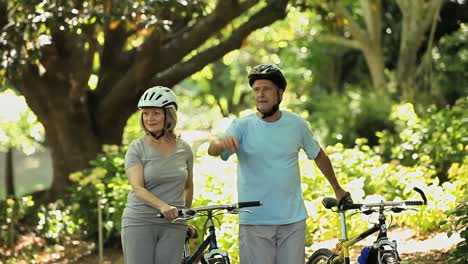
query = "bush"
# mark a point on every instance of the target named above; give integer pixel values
(437, 140)
(105, 184)
(13, 211)
(360, 115)
(457, 222)
(362, 171)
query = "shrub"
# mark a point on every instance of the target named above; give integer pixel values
(437, 140)
(361, 114)
(106, 184)
(457, 221)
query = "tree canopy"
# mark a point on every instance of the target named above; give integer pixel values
(82, 65)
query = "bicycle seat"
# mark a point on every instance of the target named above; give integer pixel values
(329, 202)
(192, 232)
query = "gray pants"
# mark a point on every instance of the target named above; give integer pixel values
(153, 244)
(272, 244)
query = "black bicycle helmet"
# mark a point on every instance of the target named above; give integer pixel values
(268, 72)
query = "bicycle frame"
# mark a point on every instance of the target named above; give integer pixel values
(214, 254)
(343, 246)
(385, 250)
(210, 241)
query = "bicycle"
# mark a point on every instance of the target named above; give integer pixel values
(383, 251)
(213, 255)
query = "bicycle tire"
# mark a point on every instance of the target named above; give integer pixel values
(390, 259)
(321, 256)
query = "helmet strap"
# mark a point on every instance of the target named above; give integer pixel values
(163, 131)
(156, 137)
(273, 110)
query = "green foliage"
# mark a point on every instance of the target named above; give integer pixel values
(133, 129)
(215, 183)
(56, 222)
(40, 21)
(437, 140)
(369, 179)
(104, 184)
(450, 63)
(19, 126)
(360, 115)
(458, 222)
(24, 206)
(209, 86)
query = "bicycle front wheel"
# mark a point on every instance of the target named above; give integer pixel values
(390, 259)
(321, 256)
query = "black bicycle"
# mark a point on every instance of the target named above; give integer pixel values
(208, 252)
(383, 250)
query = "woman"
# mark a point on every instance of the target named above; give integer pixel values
(159, 167)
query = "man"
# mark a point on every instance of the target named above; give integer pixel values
(267, 144)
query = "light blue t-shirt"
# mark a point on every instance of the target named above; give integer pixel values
(268, 168)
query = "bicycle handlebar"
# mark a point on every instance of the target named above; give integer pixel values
(229, 207)
(345, 207)
(382, 204)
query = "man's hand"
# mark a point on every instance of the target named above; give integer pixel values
(230, 144)
(342, 194)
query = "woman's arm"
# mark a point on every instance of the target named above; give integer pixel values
(188, 189)
(135, 177)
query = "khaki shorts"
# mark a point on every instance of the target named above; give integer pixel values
(272, 244)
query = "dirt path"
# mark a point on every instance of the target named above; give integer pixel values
(431, 250)
(434, 249)
(113, 256)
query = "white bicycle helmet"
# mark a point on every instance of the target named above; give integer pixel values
(158, 96)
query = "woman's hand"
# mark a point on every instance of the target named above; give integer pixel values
(169, 212)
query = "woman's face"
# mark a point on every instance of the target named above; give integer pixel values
(153, 119)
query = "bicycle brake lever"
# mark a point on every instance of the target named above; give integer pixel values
(182, 218)
(398, 209)
(244, 211)
(368, 212)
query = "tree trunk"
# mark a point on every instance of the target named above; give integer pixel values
(367, 38)
(78, 120)
(416, 21)
(11, 194)
(9, 179)
(71, 131)
(374, 59)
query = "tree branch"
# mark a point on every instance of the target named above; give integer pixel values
(350, 43)
(3, 14)
(184, 69)
(169, 55)
(354, 28)
(372, 12)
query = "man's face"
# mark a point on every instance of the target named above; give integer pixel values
(265, 94)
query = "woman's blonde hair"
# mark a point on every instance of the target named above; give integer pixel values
(170, 123)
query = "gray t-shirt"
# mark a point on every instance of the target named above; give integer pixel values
(164, 176)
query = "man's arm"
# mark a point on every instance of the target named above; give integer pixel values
(324, 164)
(218, 146)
